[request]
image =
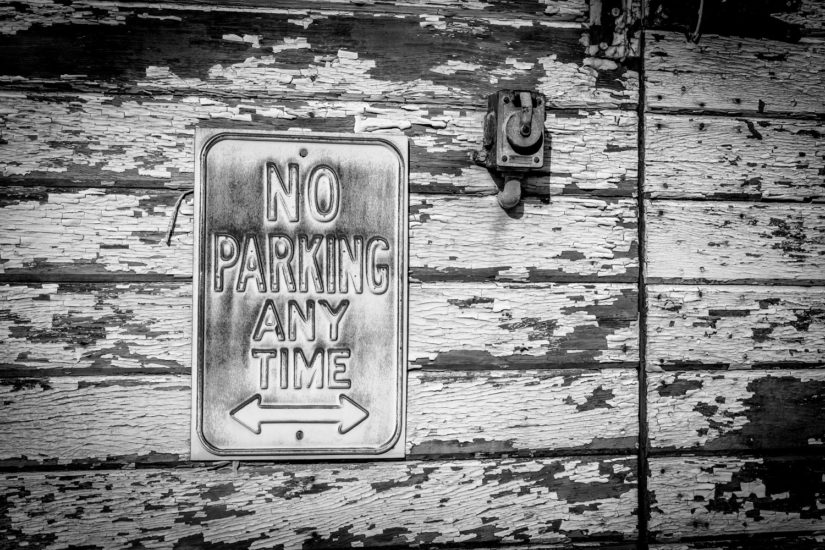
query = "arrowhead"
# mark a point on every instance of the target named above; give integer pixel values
(248, 414)
(352, 414)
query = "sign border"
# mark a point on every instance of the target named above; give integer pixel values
(200, 448)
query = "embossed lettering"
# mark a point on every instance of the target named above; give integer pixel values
(294, 312)
(314, 368)
(308, 249)
(334, 314)
(264, 355)
(323, 193)
(279, 193)
(268, 321)
(350, 264)
(251, 265)
(337, 368)
(280, 263)
(225, 253)
(378, 275)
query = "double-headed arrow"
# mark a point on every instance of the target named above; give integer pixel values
(347, 415)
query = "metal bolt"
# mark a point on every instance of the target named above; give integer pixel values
(303, 153)
(525, 130)
(536, 160)
(504, 158)
(506, 99)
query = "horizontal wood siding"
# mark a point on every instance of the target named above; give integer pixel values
(522, 393)
(100, 231)
(95, 420)
(341, 505)
(693, 497)
(722, 157)
(91, 139)
(735, 326)
(733, 75)
(332, 52)
(735, 242)
(775, 409)
(749, 542)
(146, 327)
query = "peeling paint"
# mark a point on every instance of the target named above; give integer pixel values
(500, 502)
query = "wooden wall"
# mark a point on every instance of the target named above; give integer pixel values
(525, 425)
(734, 181)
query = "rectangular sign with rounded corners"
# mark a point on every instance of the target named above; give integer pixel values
(300, 295)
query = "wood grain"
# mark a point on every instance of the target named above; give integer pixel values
(702, 157)
(134, 141)
(719, 410)
(748, 542)
(307, 53)
(342, 505)
(100, 231)
(735, 242)
(564, 13)
(715, 496)
(92, 420)
(733, 75)
(117, 328)
(735, 326)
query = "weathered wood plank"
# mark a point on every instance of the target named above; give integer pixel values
(718, 496)
(309, 54)
(146, 327)
(779, 409)
(733, 74)
(46, 12)
(94, 139)
(472, 325)
(99, 420)
(343, 505)
(97, 231)
(747, 542)
(735, 242)
(722, 157)
(810, 17)
(735, 326)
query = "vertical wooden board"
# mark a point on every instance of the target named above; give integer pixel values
(734, 410)
(735, 158)
(96, 421)
(345, 505)
(692, 497)
(733, 74)
(332, 53)
(735, 242)
(735, 326)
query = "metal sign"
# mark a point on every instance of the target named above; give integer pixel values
(300, 306)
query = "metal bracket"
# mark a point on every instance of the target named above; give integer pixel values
(513, 139)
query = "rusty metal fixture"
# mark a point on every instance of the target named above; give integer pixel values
(513, 139)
